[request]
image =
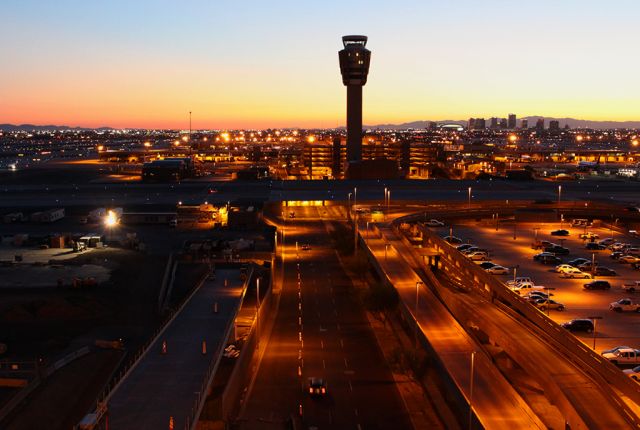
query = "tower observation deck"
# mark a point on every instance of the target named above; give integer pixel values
(354, 67)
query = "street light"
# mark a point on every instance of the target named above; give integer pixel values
(594, 320)
(547, 299)
(473, 357)
(469, 202)
(386, 245)
(349, 206)
(559, 193)
(418, 283)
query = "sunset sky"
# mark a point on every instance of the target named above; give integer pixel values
(257, 64)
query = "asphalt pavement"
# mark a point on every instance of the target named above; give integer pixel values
(321, 331)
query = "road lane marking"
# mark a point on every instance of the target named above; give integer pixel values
(351, 388)
(324, 365)
(356, 412)
(346, 363)
(321, 344)
(341, 344)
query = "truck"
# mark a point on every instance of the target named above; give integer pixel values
(625, 305)
(624, 357)
(631, 287)
(525, 287)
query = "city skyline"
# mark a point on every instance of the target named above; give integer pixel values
(259, 66)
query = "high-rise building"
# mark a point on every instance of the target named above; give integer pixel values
(432, 125)
(354, 67)
(524, 124)
(503, 123)
(472, 123)
(540, 124)
(554, 126)
(493, 123)
(479, 124)
(512, 121)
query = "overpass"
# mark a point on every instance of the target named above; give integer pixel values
(170, 380)
(581, 393)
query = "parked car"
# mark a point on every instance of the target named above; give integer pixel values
(619, 246)
(614, 349)
(561, 232)
(487, 265)
(452, 239)
(478, 256)
(434, 223)
(597, 285)
(575, 273)
(306, 247)
(540, 244)
(578, 261)
(317, 387)
(625, 305)
(527, 287)
(544, 304)
(557, 249)
(616, 255)
(498, 270)
(589, 236)
(633, 373)
(547, 258)
(534, 296)
(592, 246)
(625, 357)
(605, 271)
(464, 246)
(631, 287)
(629, 259)
(607, 241)
(518, 280)
(578, 325)
(563, 268)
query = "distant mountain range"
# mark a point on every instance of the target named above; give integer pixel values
(572, 122)
(32, 127)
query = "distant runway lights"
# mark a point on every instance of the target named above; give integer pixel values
(163, 350)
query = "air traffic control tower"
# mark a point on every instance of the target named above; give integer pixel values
(354, 66)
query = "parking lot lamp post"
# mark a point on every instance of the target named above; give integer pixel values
(469, 200)
(386, 245)
(415, 344)
(349, 206)
(559, 194)
(593, 265)
(473, 356)
(547, 290)
(595, 322)
(515, 271)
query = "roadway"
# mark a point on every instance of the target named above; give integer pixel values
(564, 382)
(167, 385)
(615, 328)
(496, 404)
(321, 330)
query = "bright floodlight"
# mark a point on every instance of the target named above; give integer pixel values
(111, 219)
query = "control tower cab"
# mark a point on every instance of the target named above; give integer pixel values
(354, 67)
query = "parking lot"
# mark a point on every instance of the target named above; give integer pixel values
(614, 328)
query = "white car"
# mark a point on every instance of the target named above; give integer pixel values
(633, 373)
(518, 280)
(478, 255)
(575, 273)
(625, 305)
(526, 287)
(434, 223)
(626, 356)
(498, 270)
(564, 268)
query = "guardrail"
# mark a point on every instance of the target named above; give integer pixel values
(596, 366)
(192, 419)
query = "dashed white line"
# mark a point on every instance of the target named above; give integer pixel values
(341, 344)
(351, 388)
(321, 345)
(346, 363)
(324, 365)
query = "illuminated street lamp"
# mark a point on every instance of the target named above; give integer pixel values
(110, 221)
(469, 201)
(559, 193)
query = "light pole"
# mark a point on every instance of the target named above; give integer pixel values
(559, 194)
(595, 322)
(593, 265)
(367, 232)
(415, 345)
(349, 206)
(547, 289)
(258, 313)
(386, 245)
(473, 357)
(355, 198)
(388, 199)
(469, 200)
